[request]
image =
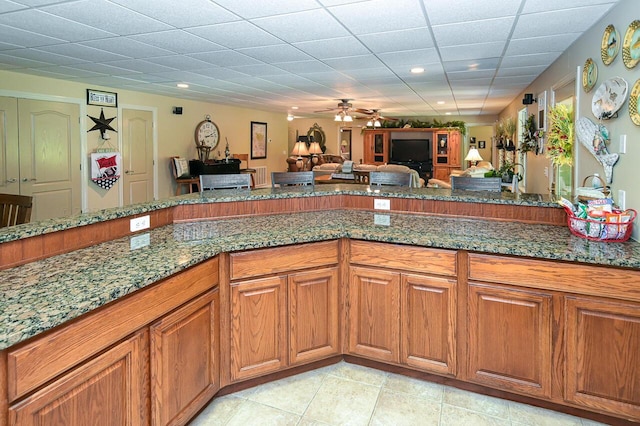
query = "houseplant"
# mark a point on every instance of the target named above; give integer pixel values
(560, 135)
(530, 135)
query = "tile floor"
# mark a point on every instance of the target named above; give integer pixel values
(348, 394)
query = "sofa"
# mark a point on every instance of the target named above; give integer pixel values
(328, 168)
(331, 160)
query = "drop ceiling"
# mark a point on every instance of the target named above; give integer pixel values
(478, 55)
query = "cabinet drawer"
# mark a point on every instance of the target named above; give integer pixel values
(407, 258)
(254, 263)
(34, 363)
(560, 276)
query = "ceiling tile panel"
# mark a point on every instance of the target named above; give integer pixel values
(225, 58)
(447, 12)
(473, 51)
(275, 54)
(48, 25)
(303, 26)
(484, 31)
(236, 35)
(559, 21)
(394, 41)
(84, 53)
(127, 47)
(106, 16)
(544, 59)
(178, 41)
(9, 6)
(381, 15)
(181, 14)
(547, 5)
(544, 44)
(26, 38)
(333, 48)
(249, 9)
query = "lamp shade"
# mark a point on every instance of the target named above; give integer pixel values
(314, 148)
(473, 155)
(300, 149)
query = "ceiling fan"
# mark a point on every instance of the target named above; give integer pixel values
(344, 110)
(374, 117)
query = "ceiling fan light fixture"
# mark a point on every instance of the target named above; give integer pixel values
(347, 118)
(377, 123)
(337, 118)
(370, 123)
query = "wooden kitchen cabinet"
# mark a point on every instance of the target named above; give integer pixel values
(428, 323)
(313, 315)
(258, 327)
(602, 369)
(510, 338)
(110, 389)
(376, 147)
(184, 360)
(374, 313)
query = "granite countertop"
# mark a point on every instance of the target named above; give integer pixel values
(39, 228)
(43, 294)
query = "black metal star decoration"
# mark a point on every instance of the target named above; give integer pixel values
(103, 124)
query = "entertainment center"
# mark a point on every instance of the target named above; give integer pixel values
(430, 152)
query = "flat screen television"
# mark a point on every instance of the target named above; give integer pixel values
(410, 150)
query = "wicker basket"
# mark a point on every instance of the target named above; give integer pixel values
(596, 230)
(586, 193)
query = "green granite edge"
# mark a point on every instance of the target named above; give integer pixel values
(59, 224)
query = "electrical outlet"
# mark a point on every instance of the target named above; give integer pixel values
(381, 219)
(379, 204)
(623, 144)
(140, 223)
(139, 241)
(622, 202)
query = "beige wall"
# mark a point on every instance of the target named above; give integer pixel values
(175, 132)
(568, 66)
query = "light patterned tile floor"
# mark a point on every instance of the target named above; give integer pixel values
(348, 394)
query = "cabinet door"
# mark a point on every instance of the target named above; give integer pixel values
(428, 323)
(376, 147)
(184, 360)
(454, 150)
(258, 320)
(374, 312)
(603, 355)
(510, 339)
(441, 173)
(313, 315)
(110, 390)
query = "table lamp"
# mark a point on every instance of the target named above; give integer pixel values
(300, 149)
(473, 156)
(314, 150)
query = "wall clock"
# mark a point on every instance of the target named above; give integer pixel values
(207, 133)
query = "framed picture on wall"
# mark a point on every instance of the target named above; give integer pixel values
(258, 140)
(472, 140)
(481, 144)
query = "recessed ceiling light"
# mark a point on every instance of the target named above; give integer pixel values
(293, 107)
(183, 85)
(440, 102)
(447, 113)
(417, 70)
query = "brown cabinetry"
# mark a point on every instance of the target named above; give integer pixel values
(258, 321)
(399, 315)
(376, 147)
(446, 153)
(510, 338)
(110, 388)
(603, 355)
(313, 315)
(282, 313)
(184, 360)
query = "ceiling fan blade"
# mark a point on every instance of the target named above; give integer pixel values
(364, 111)
(327, 110)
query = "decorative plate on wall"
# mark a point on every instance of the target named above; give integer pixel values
(634, 106)
(631, 45)
(610, 44)
(589, 75)
(609, 97)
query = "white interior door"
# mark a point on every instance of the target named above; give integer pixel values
(9, 166)
(49, 149)
(137, 156)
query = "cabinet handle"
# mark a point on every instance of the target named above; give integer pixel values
(28, 180)
(12, 180)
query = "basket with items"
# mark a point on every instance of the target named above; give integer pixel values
(596, 190)
(598, 219)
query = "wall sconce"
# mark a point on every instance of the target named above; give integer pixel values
(528, 99)
(473, 156)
